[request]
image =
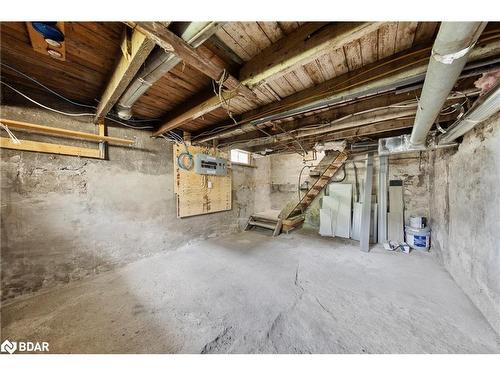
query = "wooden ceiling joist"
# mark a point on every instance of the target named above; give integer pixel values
(172, 43)
(135, 48)
(301, 47)
(191, 113)
(405, 68)
(366, 113)
(328, 115)
(304, 45)
(361, 132)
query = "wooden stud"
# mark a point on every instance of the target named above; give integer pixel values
(103, 145)
(302, 46)
(135, 48)
(59, 132)
(50, 148)
(172, 43)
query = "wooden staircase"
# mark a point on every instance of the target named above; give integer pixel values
(287, 219)
(295, 217)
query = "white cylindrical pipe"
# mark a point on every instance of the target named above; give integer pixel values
(160, 62)
(449, 55)
(488, 106)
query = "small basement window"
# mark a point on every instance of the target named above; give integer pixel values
(240, 157)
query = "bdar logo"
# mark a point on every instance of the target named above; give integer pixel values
(23, 346)
(8, 347)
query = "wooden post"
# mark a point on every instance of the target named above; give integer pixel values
(103, 145)
(367, 206)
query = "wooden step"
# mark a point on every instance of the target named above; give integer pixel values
(262, 224)
(334, 165)
(292, 223)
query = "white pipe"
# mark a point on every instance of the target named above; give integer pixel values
(449, 55)
(487, 107)
(160, 62)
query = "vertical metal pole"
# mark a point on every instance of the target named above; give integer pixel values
(367, 206)
(382, 198)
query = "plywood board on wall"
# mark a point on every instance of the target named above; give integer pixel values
(200, 194)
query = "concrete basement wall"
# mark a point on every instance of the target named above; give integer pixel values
(465, 215)
(283, 172)
(64, 218)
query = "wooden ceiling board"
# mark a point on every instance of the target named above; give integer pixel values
(91, 52)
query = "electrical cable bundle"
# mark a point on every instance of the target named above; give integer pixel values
(183, 156)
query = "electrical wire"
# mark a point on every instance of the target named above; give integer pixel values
(45, 87)
(110, 116)
(128, 125)
(300, 176)
(44, 106)
(181, 158)
(70, 114)
(11, 135)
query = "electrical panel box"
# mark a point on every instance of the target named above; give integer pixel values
(207, 164)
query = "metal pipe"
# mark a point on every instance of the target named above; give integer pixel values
(450, 51)
(160, 62)
(486, 107)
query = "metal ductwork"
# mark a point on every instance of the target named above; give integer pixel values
(450, 51)
(484, 108)
(160, 62)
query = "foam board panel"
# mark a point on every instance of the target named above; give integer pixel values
(325, 222)
(341, 220)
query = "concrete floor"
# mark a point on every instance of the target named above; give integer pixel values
(250, 293)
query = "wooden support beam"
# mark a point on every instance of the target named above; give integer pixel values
(103, 145)
(136, 47)
(381, 128)
(249, 132)
(191, 114)
(59, 132)
(305, 45)
(50, 148)
(172, 43)
(302, 46)
(348, 117)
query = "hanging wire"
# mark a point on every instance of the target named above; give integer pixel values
(12, 136)
(109, 116)
(19, 92)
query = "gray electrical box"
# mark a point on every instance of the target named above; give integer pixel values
(206, 164)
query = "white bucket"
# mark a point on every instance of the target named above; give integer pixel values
(419, 239)
(418, 222)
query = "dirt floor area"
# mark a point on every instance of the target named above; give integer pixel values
(251, 293)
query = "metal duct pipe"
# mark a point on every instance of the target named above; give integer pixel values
(486, 107)
(160, 62)
(450, 51)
